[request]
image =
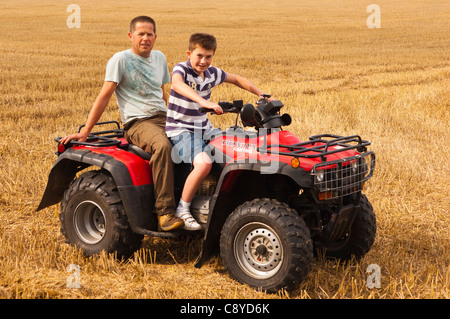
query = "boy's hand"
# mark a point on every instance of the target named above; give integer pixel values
(213, 106)
(264, 96)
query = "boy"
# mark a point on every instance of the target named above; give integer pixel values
(192, 82)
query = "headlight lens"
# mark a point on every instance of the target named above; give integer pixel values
(355, 167)
(320, 176)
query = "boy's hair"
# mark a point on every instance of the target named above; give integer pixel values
(142, 19)
(204, 40)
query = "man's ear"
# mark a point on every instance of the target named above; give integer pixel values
(130, 35)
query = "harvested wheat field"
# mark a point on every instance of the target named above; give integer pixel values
(333, 73)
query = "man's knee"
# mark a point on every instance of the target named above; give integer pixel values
(163, 149)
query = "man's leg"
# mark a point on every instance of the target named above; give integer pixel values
(149, 134)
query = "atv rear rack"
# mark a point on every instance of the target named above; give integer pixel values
(101, 138)
(320, 146)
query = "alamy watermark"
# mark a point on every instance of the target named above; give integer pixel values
(74, 20)
(373, 20)
(74, 280)
(238, 146)
(374, 278)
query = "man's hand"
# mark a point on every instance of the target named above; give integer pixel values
(78, 136)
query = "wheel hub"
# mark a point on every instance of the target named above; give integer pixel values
(258, 250)
(89, 222)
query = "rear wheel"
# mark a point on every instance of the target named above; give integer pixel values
(93, 218)
(266, 245)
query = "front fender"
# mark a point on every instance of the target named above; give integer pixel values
(219, 204)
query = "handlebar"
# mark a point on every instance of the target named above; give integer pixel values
(227, 107)
(266, 115)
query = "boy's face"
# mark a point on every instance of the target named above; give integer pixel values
(142, 39)
(200, 59)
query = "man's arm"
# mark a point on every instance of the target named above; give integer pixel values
(100, 104)
(183, 89)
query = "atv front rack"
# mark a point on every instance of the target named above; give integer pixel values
(344, 176)
(320, 146)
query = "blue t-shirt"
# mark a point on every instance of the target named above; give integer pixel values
(183, 114)
(139, 82)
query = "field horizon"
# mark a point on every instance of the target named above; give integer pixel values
(334, 75)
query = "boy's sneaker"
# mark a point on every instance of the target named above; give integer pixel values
(169, 222)
(189, 222)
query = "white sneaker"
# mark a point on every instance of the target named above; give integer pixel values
(189, 222)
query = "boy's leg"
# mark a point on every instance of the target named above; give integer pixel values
(149, 134)
(202, 167)
(187, 146)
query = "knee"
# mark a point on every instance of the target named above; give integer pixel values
(202, 163)
(163, 148)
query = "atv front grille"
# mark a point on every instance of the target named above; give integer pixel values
(343, 177)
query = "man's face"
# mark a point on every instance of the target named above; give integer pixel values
(142, 39)
(200, 59)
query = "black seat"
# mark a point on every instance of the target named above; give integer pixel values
(139, 152)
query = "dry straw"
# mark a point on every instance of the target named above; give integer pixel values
(334, 74)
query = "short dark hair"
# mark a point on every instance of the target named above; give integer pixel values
(142, 19)
(205, 40)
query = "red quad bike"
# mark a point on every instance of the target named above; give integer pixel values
(270, 200)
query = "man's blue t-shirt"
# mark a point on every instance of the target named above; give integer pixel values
(139, 82)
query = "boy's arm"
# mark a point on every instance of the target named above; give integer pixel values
(243, 83)
(94, 115)
(183, 89)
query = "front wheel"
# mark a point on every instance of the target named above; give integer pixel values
(266, 245)
(93, 218)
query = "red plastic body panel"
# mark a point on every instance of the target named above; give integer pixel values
(139, 169)
(245, 148)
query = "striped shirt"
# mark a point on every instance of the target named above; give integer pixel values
(183, 114)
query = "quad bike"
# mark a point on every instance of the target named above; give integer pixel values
(270, 201)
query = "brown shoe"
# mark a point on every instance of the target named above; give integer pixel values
(169, 222)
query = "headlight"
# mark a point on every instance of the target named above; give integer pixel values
(355, 167)
(320, 176)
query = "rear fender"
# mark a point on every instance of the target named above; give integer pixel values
(136, 191)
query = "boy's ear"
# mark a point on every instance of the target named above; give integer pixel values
(188, 53)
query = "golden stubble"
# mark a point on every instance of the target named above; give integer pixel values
(334, 75)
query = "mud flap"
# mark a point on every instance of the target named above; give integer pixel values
(340, 223)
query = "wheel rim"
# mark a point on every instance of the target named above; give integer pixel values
(89, 222)
(258, 250)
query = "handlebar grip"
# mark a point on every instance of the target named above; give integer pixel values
(205, 110)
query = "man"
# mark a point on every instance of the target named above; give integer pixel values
(137, 76)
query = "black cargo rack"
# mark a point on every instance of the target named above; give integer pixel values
(326, 141)
(101, 138)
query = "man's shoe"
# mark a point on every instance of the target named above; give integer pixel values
(189, 222)
(169, 222)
